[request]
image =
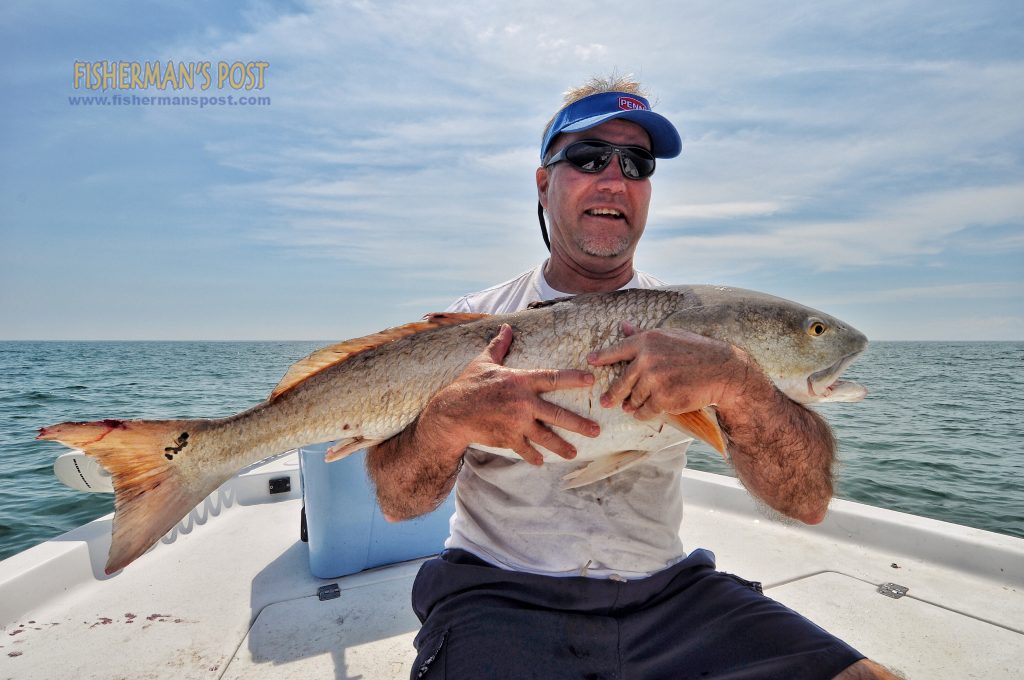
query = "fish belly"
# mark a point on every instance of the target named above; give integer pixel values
(619, 431)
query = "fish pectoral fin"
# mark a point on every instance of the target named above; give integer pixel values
(343, 447)
(603, 468)
(702, 424)
(340, 352)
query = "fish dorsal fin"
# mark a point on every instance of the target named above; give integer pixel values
(540, 304)
(343, 351)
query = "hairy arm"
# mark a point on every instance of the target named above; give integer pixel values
(415, 470)
(782, 452)
(487, 404)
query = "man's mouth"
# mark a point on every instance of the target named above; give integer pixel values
(611, 213)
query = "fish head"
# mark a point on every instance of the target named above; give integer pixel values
(804, 351)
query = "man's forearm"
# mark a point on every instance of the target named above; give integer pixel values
(782, 452)
(487, 404)
(413, 473)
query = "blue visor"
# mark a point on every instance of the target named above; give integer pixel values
(601, 107)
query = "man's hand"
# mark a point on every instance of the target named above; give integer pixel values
(671, 371)
(496, 406)
(782, 451)
(488, 404)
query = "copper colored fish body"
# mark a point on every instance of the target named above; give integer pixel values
(361, 392)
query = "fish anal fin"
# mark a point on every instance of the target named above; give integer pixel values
(151, 492)
(702, 424)
(344, 447)
(602, 468)
(340, 352)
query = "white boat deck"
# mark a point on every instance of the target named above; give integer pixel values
(228, 594)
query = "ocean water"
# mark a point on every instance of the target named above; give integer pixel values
(941, 433)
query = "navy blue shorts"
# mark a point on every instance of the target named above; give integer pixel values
(688, 621)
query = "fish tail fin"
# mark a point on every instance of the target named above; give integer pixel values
(152, 491)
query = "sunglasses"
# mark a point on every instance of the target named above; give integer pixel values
(593, 155)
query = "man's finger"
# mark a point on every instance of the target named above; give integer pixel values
(619, 390)
(528, 453)
(549, 380)
(567, 420)
(498, 347)
(552, 442)
(636, 400)
(613, 354)
(646, 412)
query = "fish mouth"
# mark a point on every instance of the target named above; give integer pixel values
(824, 385)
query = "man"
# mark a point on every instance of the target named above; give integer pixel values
(537, 582)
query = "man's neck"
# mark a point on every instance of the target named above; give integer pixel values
(568, 277)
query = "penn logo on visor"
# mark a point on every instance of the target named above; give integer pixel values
(631, 104)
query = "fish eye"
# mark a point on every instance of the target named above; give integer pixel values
(815, 327)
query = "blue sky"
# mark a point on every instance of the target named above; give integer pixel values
(862, 158)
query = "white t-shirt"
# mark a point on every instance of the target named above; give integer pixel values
(514, 515)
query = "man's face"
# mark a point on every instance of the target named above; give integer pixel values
(596, 219)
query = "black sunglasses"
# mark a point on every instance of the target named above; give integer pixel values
(593, 156)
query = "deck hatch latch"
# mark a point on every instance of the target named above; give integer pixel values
(328, 592)
(893, 590)
(280, 485)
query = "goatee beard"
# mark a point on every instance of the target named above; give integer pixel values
(603, 247)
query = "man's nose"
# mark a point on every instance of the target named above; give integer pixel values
(611, 177)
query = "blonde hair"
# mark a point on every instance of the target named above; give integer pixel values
(597, 84)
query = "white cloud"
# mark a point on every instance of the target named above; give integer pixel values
(943, 292)
(718, 211)
(591, 51)
(402, 139)
(434, 153)
(965, 327)
(915, 226)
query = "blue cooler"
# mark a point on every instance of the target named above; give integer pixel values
(345, 528)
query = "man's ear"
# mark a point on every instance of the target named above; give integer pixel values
(542, 186)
